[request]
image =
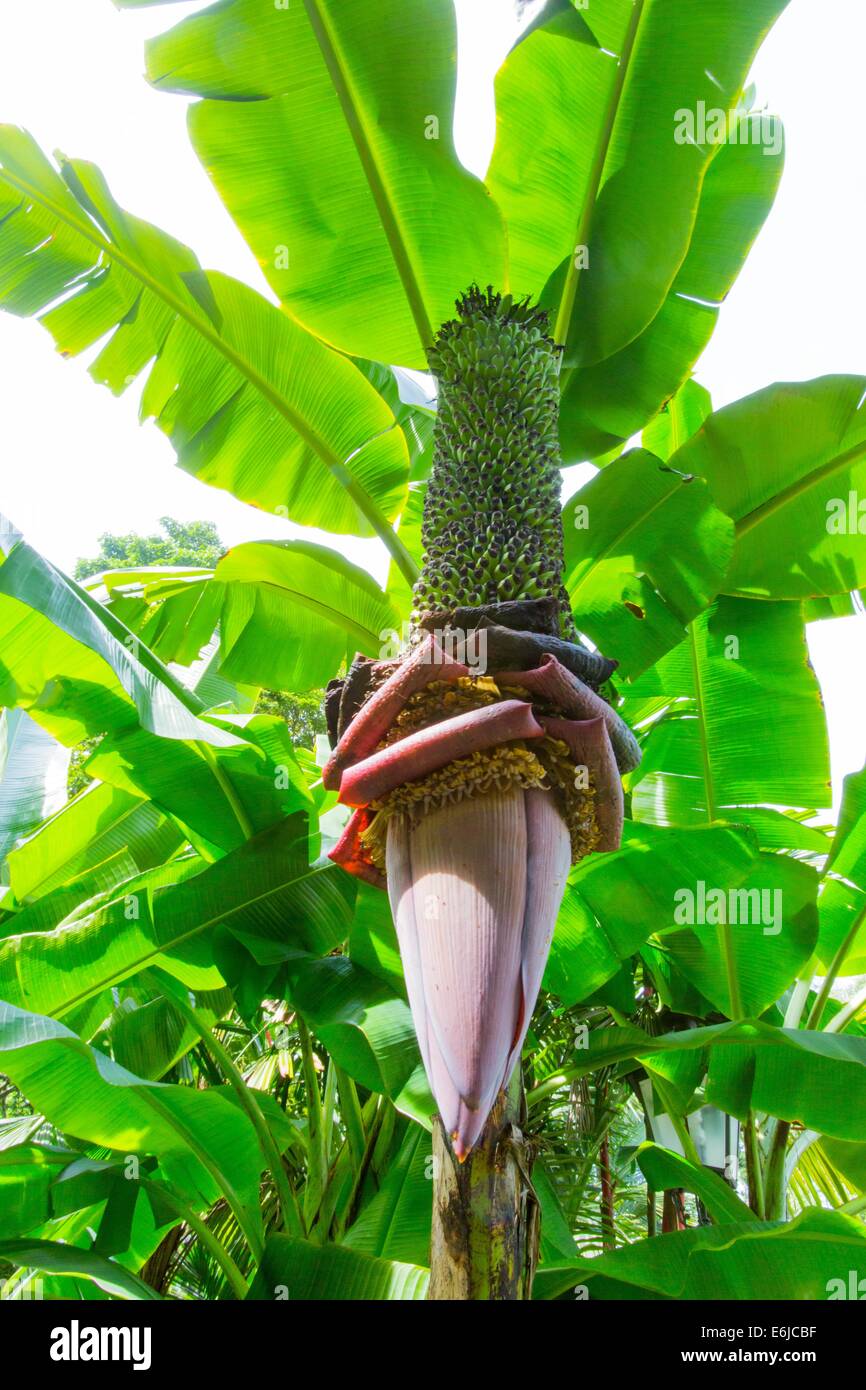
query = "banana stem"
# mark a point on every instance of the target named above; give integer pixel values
(814, 1020)
(774, 1175)
(226, 787)
(167, 1194)
(291, 1215)
(753, 1166)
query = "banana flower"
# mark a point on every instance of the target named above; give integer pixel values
(471, 797)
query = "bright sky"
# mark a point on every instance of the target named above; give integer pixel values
(75, 462)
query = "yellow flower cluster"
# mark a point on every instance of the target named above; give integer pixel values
(576, 802)
(548, 764)
(495, 769)
(442, 700)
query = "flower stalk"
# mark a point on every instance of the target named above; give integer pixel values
(475, 785)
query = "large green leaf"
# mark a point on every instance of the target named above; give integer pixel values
(76, 668)
(680, 418)
(27, 1172)
(218, 802)
(76, 1231)
(738, 721)
(41, 1186)
(73, 1208)
(174, 612)
(586, 149)
(743, 952)
(373, 938)
(399, 591)
(607, 403)
(289, 613)
(33, 772)
(177, 617)
(328, 134)
(215, 690)
(365, 1025)
(789, 465)
(818, 1084)
(740, 957)
(297, 1270)
(665, 1170)
(101, 942)
(79, 673)
(815, 1079)
(395, 1225)
(843, 900)
(57, 1258)
(557, 1240)
(806, 1260)
(849, 1159)
(673, 989)
(295, 611)
(583, 956)
(615, 901)
(96, 841)
(251, 402)
(199, 1135)
(645, 552)
(264, 894)
(552, 84)
(146, 1033)
(413, 405)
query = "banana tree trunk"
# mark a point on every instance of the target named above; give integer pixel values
(484, 1244)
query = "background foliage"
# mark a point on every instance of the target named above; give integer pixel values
(212, 1086)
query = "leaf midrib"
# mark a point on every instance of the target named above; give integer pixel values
(353, 112)
(135, 806)
(331, 615)
(606, 552)
(246, 370)
(700, 709)
(774, 504)
(587, 211)
(134, 967)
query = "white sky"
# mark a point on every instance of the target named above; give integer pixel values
(74, 462)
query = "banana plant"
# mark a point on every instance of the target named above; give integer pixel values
(277, 1021)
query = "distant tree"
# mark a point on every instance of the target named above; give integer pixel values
(304, 714)
(77, 779)
(192, 543)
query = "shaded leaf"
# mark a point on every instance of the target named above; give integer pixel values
(302, 1272)
(804, 1260)
(664, 1170)
(738, 723)
(85, 1264)
(645, 552)
(789, 465)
